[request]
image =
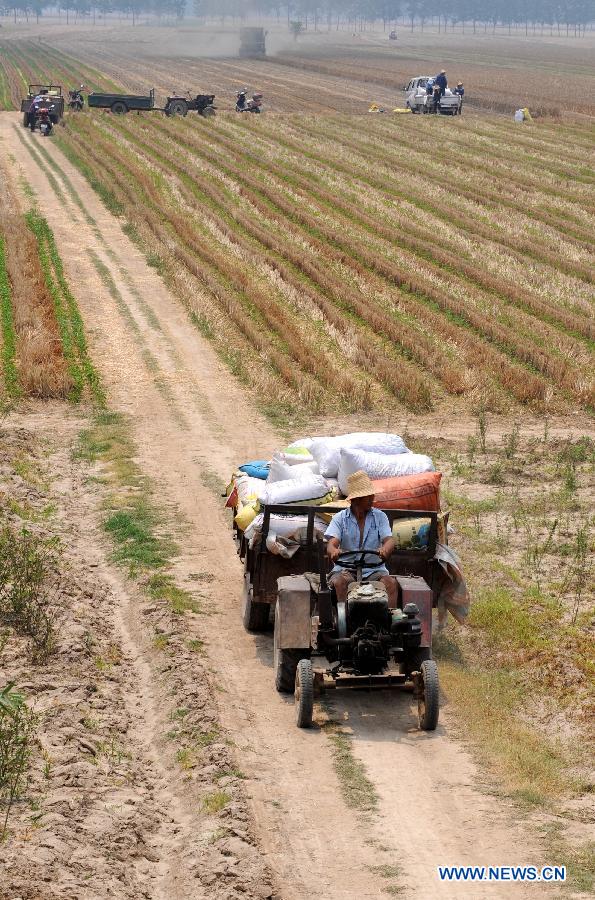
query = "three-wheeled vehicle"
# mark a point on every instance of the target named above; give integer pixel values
(50, 98)
(321, 643)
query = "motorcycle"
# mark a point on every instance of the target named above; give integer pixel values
(252, 106)
(44, 122)
(76, 101)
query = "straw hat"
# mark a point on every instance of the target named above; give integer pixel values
(359, 485)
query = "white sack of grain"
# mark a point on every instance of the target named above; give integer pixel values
(380, 465)
(249, 487)
(280, 470)
(295, 490)
(326, 450)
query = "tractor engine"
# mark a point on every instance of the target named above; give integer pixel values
(369, 621)
(369, 651)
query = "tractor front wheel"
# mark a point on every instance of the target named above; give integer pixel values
(428, 700)
(207, 112)
(304, 694)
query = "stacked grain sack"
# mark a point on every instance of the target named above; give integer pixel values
(314, 471)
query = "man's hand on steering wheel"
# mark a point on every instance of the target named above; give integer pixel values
(386, 549)
(333, 551)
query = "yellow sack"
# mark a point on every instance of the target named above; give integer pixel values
(246, 515)
(401, 110)
(411, 533)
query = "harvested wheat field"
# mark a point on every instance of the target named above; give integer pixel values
(182, 295)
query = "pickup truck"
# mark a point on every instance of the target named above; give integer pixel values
(418, 101)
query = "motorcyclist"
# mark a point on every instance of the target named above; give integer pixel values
(76, 97)
(35, 106)
(44, 120)
(255, 103)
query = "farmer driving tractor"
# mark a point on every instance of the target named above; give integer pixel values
(358, 528)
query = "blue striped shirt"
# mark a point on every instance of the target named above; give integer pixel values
(345, 527)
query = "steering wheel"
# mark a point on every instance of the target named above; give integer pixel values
(356, 559)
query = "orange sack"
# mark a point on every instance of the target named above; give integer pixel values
(409, 492)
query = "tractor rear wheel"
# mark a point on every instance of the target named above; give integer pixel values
(178, 108)
(304, 694)
(428, 701)
(119, 108)
(254, 615)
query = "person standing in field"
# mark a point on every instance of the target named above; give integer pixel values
(441, 81)
(460, 90)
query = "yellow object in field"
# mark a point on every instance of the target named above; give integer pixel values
(246, 515)
(527, 115)
(411, 533)
(400, 109)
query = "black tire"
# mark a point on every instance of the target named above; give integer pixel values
(285, 663)
(304, 694)
(119, 108)
(428, 703)
(208, 112)
(414, 662)
(25, 120)
(254, 615)
(178, 108)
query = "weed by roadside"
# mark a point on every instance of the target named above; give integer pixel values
(17, 732)
(26, 563)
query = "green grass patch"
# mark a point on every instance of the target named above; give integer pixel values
(133, 533)
(532, 768)
(5, 101)
(131, 519)
(357, 789)
(8, 353)
(162, 586)
(216, 801)
(509, 621)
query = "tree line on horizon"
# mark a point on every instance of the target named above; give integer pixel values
(327, 14)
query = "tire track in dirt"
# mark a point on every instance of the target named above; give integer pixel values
(429, 799)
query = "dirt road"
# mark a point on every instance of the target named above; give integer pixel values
(192, 424)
